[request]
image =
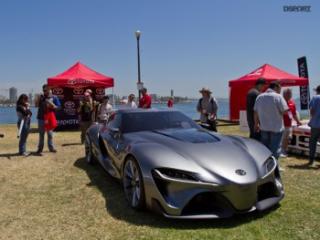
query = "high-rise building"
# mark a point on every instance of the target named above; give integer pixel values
(13, 94)
(171, 93)
(154, 97)
(30, 98)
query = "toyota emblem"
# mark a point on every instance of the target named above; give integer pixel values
(241, 172)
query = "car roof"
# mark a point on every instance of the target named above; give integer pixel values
(140, 110)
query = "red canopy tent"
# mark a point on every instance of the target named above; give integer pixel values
(70, 86)
(79, 75)
(240, 87)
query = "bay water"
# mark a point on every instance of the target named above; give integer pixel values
(8, 114)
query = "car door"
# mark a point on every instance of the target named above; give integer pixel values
(114, 140)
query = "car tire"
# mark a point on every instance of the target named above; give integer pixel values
(89, 157)
(133, 184)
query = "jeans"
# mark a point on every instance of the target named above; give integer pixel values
(272, 141)
(41, 136)
(315, 135)
(23, 135)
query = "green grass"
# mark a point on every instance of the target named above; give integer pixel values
(58, 196)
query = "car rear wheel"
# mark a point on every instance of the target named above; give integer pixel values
(88, 151)
(133, 184)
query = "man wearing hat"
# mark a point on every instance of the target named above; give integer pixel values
(207, 107)
(251, 99)
(314, 123)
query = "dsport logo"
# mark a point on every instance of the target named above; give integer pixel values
(297, 8)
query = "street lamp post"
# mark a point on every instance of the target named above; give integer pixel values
(138, 33)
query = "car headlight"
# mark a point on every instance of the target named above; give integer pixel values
(269, 165)
(175, 174)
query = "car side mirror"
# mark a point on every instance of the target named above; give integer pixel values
(115, 132)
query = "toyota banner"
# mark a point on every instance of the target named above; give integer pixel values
(67, 115)
(304, 90)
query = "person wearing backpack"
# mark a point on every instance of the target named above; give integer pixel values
(207, 107)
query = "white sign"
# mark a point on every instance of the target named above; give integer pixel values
(140, 86)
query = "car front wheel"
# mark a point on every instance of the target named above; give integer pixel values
(133, 184)
(88, 151)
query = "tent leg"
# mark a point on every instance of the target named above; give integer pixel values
(113, 100)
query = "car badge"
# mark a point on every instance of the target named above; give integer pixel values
(241, 172)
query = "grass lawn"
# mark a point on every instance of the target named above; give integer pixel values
(58, 196)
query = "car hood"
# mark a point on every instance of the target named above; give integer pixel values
(218, 155)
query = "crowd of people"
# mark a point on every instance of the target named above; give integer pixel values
(89, 111)
(270, 117)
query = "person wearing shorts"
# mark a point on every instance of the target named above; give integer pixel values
(287, 121)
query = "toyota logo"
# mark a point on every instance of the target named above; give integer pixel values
(69, 104)
(78, 91)
(57, 91)
(241, 172)
(100, 91)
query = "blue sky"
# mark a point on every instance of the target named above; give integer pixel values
(185, 44)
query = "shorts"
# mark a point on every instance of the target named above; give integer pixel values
(287, 133)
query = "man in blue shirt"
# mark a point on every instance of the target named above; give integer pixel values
(314, 123)
(46, 102)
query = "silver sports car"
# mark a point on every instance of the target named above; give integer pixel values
(166, 162)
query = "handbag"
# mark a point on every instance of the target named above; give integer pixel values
(50, 121)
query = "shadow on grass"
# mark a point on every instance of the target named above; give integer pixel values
(9, 155)
(117, 206)
(71, 144)
(303, 167)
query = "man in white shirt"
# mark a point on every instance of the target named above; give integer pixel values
(131, 103)
(104, 110)
(269, 109)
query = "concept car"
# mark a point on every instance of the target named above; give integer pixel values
(168, 163)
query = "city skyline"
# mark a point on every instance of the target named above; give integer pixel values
(184, 45)
(12, 97)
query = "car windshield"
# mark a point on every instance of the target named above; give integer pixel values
(149, 121)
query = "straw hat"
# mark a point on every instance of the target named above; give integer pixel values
(205, 89)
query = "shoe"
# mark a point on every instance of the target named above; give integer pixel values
(312, 164)
(38, 153)
(25, 154)
(283, 155)
(53, 150)
(281, 169)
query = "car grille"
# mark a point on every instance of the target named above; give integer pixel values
(208, 203)
(267, 190)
